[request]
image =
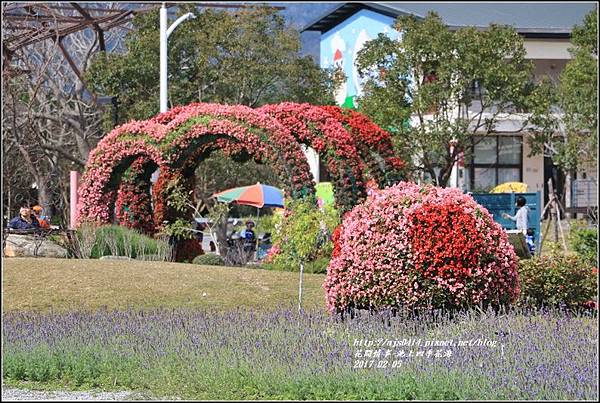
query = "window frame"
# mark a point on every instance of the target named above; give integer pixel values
(495, 166)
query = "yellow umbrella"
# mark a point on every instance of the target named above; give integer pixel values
(510, 187)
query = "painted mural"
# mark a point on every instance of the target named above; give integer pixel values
(340, 47)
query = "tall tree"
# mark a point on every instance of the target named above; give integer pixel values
(50, 122)
(249, 57)
(435, 88)
(565, 111)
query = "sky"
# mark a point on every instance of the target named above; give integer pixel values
(299, 14)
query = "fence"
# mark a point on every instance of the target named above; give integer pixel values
(499, 203)
(584, 193)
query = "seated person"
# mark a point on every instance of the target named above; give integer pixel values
(530, 240)
(25, 220)
(248, 236)
(37, 212)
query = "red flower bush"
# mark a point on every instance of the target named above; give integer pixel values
(187, 250)
(420, 247)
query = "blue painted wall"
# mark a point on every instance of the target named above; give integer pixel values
(340, 46)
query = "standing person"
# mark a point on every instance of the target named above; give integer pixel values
(25, 220)
(43, 220)
(522, 216)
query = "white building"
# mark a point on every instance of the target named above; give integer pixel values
(546, 29)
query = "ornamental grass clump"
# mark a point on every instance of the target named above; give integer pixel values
(419, 247)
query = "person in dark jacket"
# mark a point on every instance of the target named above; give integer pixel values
(24, 221)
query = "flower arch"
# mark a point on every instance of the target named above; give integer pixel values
(373, 144)
(106, 166)
(116, 183)
(124, 159)
(314, 127)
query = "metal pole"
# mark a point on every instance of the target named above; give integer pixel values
(300, 286)
(163, 58)
(164, 37)
(74, 176)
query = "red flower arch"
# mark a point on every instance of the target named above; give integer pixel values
(313, 126)
(118, 170)
(373, 144)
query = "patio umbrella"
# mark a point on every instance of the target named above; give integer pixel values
(258, 195)
(510, 187)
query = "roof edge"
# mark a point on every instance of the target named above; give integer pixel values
(348, 9)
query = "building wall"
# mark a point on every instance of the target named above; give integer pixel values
(533, 170)
(340, 46)
(547, 49)
(550, 67)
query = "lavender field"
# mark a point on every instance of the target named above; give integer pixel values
(243, 354)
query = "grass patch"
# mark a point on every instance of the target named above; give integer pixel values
(45, 284)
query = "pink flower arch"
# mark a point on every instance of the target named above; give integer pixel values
(116, 184)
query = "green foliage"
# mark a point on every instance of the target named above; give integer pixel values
(210, 259)
(180, 200)
(431, 71)
(180, 229)
(217, 378)
(303, 234)
(249, 57)
(557, 279)
(584, 242)
(565, 112)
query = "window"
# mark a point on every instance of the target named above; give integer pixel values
(495, 160)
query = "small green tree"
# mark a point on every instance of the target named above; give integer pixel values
(216, 216)
(303, 234)
(564, 121)
(453, 84)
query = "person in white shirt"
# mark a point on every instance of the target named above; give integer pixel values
(522, 216)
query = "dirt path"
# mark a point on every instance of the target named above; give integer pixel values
(12, 394)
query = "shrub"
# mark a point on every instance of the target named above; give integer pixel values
(557, 279)
(91, 241)
(187, 250)
(302, 234)
(209, 259)
(420, 247)
(317, 266)
(584, 241)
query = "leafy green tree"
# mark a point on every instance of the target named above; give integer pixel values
(450, 84)
(565, 113)
(248, 58)
(303, 234)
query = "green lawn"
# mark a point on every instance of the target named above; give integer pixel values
(67, 284)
